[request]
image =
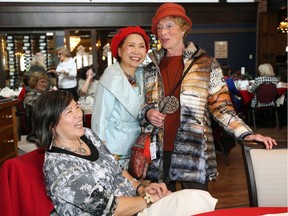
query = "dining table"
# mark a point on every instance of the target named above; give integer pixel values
(247, 211)
(247, 96)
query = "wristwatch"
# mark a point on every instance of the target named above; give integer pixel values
(148, 199)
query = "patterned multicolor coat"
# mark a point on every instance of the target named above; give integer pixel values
(203, 94)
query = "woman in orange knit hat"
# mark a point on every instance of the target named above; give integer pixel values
(184, 88)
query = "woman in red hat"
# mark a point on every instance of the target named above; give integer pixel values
(181, 100)
(120, 94)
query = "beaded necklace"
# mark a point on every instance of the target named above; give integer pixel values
(80, 149)
(131, 79)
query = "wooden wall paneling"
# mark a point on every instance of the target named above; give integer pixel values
(267, 31)
(105, 15)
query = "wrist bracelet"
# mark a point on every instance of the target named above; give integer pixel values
(138, 188)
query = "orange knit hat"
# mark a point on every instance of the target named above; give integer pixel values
(169, 9)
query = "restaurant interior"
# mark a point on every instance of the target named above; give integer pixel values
(87, 29)
(242, 34)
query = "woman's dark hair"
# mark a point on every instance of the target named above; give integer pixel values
(226, 69)
(49, 107)
(82, 72)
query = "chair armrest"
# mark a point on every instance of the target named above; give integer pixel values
(260, 145)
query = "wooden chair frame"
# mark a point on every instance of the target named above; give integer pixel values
(266, 93)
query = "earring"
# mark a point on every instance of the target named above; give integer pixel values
(52, 141)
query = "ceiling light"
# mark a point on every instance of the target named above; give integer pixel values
(283, 26)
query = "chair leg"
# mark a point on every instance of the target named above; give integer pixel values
(249, 116)
(254, 122)
(224, 153)
(277, 120)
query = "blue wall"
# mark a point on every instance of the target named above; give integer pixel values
(240, 45)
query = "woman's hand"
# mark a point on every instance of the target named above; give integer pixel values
(51, 71)
(155, 117)
(89, 74)
(157, 191)
(267, 141)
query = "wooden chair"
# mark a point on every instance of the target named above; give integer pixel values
(266, 173)
(266, 93)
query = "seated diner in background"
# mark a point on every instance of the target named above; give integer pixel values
(83, 178)
(266, 75)
(234, 92)
(38, 84)
(36, 65)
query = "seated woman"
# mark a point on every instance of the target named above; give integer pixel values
(86, 87)
(234, 92)
(38, 83)
(83, 178)
(266, 75)
(37, 65)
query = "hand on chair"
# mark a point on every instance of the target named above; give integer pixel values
(267, 141)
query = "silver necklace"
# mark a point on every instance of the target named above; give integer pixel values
(80, 149)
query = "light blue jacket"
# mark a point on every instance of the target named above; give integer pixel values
(116, 109)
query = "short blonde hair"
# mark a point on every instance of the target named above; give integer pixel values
(35, 77)
(63, 51)
(266, 70)
(39, 59)
(184, 25)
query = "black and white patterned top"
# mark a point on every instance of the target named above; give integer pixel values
(258, 82)
(85, 185)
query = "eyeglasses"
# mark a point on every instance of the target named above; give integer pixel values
(168, 26)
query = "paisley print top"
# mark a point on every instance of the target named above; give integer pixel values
(85, 185)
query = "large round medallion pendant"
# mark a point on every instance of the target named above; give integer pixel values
(169, 105)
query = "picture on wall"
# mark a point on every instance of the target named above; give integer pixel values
(221, 49)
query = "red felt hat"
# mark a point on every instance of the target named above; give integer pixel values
(169, 9)
(122, 34)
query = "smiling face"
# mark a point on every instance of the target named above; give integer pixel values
(70, 126)
(132, 51)
(41, 85)
(170, 34)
